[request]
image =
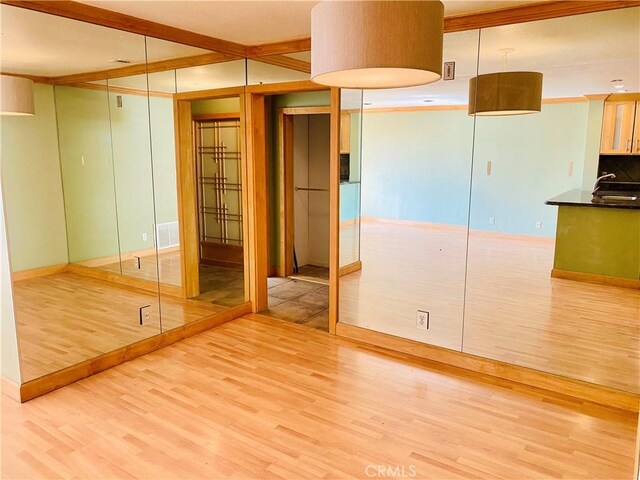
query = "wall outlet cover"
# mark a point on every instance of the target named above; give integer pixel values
(422, 319)
(136, 262)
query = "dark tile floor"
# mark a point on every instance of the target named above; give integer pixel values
(293, 300)
(221, 286)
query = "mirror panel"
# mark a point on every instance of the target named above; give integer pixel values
(515, 311)
(417, 146)
(287, 68)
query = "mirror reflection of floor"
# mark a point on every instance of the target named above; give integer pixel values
(299, 301)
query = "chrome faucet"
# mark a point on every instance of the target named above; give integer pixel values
(596, 185)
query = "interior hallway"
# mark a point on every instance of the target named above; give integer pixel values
(261, 398)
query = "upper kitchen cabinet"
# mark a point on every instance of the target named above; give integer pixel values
(618, 133)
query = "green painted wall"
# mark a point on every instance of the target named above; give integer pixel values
(604, 241)
(32, 187)
(306, 99)
(107, 172)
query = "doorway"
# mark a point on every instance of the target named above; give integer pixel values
(298, 289)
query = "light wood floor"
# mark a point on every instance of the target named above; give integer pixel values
(514, 311)
(259, 398)
(66, 318)
(166, 269)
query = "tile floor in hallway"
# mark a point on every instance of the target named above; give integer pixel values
(221, 286)
(299, 301)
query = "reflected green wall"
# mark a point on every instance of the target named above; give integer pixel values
(216, 105)
(32, 186)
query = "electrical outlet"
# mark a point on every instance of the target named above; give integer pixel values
(145, 314)
(538, 224)
(492, 220)
(422, 319)
(136, 262)
(144, 237)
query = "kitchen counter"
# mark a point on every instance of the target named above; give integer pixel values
(599, 243)
(581, 198)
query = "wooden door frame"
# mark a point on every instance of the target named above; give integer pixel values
(186, 186)
(255, 111)
(285, 166)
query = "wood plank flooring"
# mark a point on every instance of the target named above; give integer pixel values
(166, 268)
(511, 310)
(261, 398)
(64, 319)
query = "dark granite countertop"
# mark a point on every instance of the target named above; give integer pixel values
(581, 198)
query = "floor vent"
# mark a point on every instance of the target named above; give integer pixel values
(167, 235)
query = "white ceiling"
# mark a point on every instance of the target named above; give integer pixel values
(254, 22)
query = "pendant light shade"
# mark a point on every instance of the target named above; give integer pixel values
(16, 96)
(376, 44)
(505, 93)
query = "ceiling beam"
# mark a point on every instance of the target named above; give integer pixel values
(278, 48)
(127, 23)
(285, 62)
(141, 68)
(35, 78)
(531, 12)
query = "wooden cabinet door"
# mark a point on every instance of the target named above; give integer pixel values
(636, 132)
(345, 132)
(617, 127)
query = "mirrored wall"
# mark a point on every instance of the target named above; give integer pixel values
(93, 201)
(458, 245)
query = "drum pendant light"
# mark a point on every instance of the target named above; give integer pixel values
(16, 96)
(376, 44)
(505, 93)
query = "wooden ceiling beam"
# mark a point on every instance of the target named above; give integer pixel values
(285, 62)
(279, 48)
(531, 12)
(35, 78)
(127, 23)
(141, 68)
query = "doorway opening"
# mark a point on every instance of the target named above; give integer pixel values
(298, 289)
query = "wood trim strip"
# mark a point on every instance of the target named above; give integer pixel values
(35, 78)
(210, 94)
(350, 268)
(285, 139)
(38, 272)
(146, 285)
(305, 110)
(123, 90)
(286, 87)
(107, 18)
(531, 13)
(144, 68)
(246, 250)
(598, 279)
(623, 97)
(334, 211)
(285, 62)
(187, 199)
(61, 378)
(216, 116)
(533, 378)
(278, 48)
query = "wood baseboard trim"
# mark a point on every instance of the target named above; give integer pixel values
(53, 381)
(146, 285)
(10, 389)
(572, 388)
(595, 278)
(38, 272)
(352, 267)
